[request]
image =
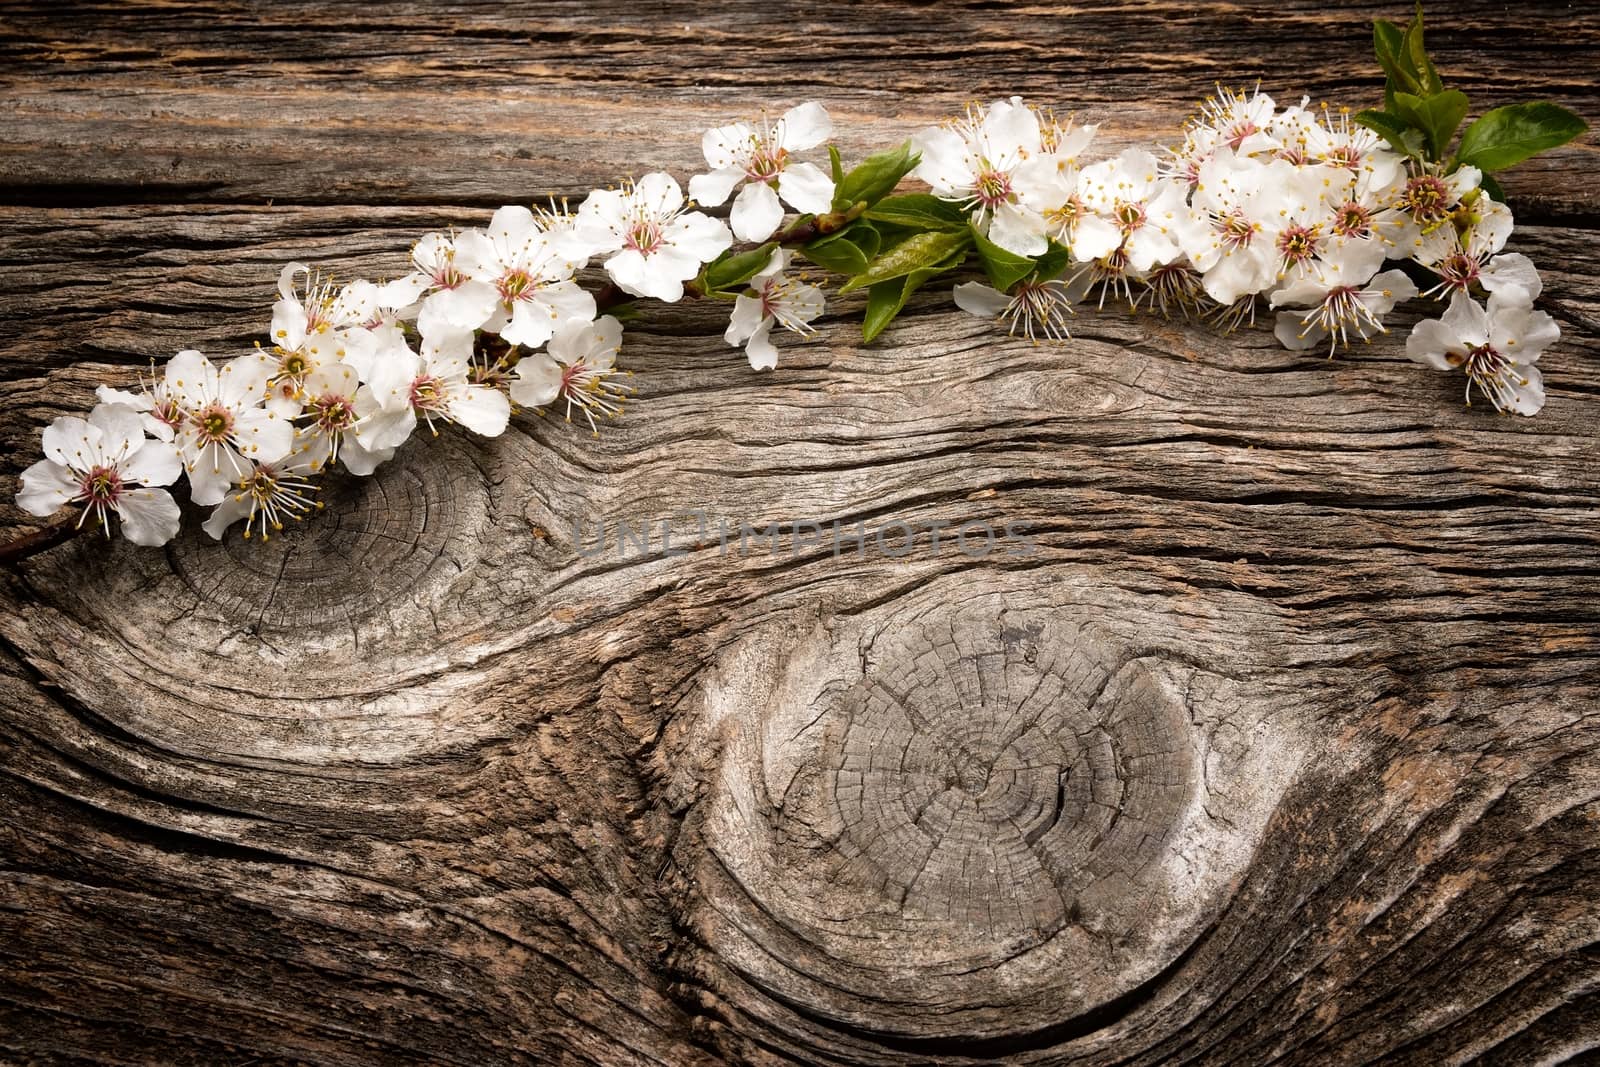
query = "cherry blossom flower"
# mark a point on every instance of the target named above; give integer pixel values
(1343, 295)
(1033, 308)
(96, 462)
(308, 330)
(441, 287)
(531, 276)
(975, 161)
(1145, 207)
(157, 404)
(329, 433)
(774, 299)
(1496, 349)
(433, 386)
(1464, 258)
(577, 366)
(266, 496)
(227, 427)
(757, 157)
(654, 243)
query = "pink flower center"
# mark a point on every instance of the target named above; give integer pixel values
(1425, 199)
(514, 284)
(644, 236)
(427, 393)
(1459, 271)
(1353, 220)
(766, 163)
(1297, 245)
(994, 187)
(100, 487)
(1235, 231)
(1239, 131)
(332, 413)
(168, 412)
(1344, 155)
(447, 277)
(214, 423)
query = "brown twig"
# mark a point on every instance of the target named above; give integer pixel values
(57, 533)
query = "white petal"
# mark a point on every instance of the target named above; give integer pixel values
(1094, 237)
(380, 428)
(1528, 396)
(945, 164)
(243, 381)
(763, 354)
(225, 514)
(45, 487)
(728, 147)
(403, 292)
(1512, 275)
(360, 460)
(157, 463)
(658, 193)
(262, 436)
(713, 189)
(746, 319)
(981, 300)
(1018, 230)
(72, 442)
(627, 268)
(805, 187)
(1428, 343)
(513, 227)
(699, 235)
(1466, 319)
(137, 401)
(756, 212)
(804, 126)
(1292, 332)
(466, 307)
(149, 516)
(481, 409)
(210, 479)
(191, 377)
(538, 381)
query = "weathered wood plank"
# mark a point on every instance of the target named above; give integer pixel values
(1293, 702)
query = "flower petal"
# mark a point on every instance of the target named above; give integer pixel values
(225, 514)
(242, 382)
(746, 319)
(481, 409)
(981, 300)
(149, 516)
(157, 463)
(538, 381)
(72, 442)
(806, 188)
(45, 487)
(713, 189)
(804, 126)
(728, 147)
(756, 212)
(763, 354)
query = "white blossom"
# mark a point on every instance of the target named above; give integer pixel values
(975, 162)
(266, 496)
(531, 275)
(1496, 348)
(227, 428)
(95, 462)
(433, 385)
(652, 242)
(774, 299)
(578, 366)
(757, 158)
(441, 291)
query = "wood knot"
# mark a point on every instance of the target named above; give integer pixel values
(956, 812)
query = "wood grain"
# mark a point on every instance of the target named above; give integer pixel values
(1279, 746)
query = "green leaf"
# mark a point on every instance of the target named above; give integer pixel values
(835, 164)
(914, 253)
(1508, 135)
(1394, 129)
(1050, 265)
(1004, 268)
(1492, 187)
(919, 210)
(1437, 116)
(838, 253)
(734, 270)
(875, 178)
(865, 236)
(886, 299)
(1388, 42)
(1417, 57)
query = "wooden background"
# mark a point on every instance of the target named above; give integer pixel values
(1280, 748)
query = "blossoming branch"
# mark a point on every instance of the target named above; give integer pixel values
(1328, 219)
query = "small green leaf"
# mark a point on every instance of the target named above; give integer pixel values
(914, 253)
(1437, 116)
(919, 210)
(1388, 42)
(886, 299)
(835, 164)
(865, 236)
(1394, 129)
(1508, 135)
(1004, 268)
(875, 178)
(1050, 265)
(734, 270)
(1417, 57)
(1492, 187)
(838, 253)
